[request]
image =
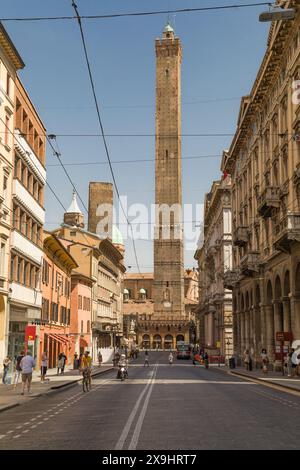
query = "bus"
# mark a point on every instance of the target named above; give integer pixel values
(183, 350)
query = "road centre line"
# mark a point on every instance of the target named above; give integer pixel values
(125, 432)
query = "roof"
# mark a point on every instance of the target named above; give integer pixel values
(9, 49)
(74, 208)
(168, 28)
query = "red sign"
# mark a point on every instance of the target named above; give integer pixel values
(30, 333)
(284, 336)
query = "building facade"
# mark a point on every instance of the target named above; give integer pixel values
(140, 325)
(214, 257)
(81, 311)
(264, 162)
(28, 217)
(10, 63)
(55, 333)
(102, 261)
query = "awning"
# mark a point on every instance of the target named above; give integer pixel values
(60, 338)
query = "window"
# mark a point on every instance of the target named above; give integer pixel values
(81, 326)
(88, 326)
(5, 185)
(80, 302)
(2, 258)
(7, 84)
(6, 139)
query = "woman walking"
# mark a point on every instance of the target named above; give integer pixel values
(6, 364)
(264, 361)
(18, 372)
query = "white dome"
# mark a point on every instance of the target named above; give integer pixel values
(117, 237)
(142, 291)
(74, 208)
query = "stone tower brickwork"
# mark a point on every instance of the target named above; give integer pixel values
(100, 194)
(168, 244)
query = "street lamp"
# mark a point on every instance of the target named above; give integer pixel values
(277, 14)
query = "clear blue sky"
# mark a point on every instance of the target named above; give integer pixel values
(222, 51)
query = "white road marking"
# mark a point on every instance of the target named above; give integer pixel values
(34, 426)
(26, 430)
(125, 432)
(180, 382)
(2, 436)
(139, 424)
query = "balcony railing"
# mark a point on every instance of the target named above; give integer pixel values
(268, 201)
(286, 232)
(241, 237)
(250, 263)
(230, 279)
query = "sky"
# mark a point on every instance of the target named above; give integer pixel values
(222, 51)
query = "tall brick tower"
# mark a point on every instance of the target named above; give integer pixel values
(168, 244)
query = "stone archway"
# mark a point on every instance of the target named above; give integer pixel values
(168, 342)
(146, 341)
(179, 338)
(2, 325)
(157, 344)
(278, 308)
(258, 321)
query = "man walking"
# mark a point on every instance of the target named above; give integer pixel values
(27, 365)
(146, 363)
(44, 366)
(18, 372)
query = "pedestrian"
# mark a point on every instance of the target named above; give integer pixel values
(27, 364)
(206, 360)
(264, 361)
(64, 361)
(59, 363)
(247, 359)
(100, 359)
(18, 371)
(75, 362)
(146, 362)
(79, 362)
(288, 363)
(6, 364)
(44, 366)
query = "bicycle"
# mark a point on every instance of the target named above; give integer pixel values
(86, 386)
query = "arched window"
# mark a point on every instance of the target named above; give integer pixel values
(142, 294)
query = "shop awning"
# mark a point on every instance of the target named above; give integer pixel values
(60, 338)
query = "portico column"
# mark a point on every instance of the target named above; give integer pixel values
(252, 329)
(256, 330)
(242, 315)
(247, 329)
(270, 339)
(286, 314)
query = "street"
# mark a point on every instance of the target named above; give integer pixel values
(167, 407)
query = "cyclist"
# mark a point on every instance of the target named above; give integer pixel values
(86, 364)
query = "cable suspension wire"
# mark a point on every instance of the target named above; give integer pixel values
(137, 13)
(100, 121)
(57, 154)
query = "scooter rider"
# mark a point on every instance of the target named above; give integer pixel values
(123, 362)
(170, 358)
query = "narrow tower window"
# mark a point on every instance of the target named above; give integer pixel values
(167, 153)
(167, 72)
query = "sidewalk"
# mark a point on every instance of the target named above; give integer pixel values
(275, 378)
(10, 398)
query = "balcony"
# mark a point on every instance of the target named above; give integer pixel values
(241, 236)
(268, 201)
(296, 177)
(230, 279)
(286, 232)
(250, 263)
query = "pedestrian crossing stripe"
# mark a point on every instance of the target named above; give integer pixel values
(173, 382)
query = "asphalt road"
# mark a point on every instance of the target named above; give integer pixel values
(162, 407)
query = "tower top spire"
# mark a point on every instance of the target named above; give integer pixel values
(74, 216)
(168, 31)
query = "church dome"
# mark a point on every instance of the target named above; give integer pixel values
(117, 237)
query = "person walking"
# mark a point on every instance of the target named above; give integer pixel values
(6, 364)
(296, 362)
(100, 359)
(247, 359)
(18, 371)
(288, 363)
(27, 364)
(59, 364)
(146, 362)
(206, 360)
(264, 361)
(64, 361)
(44, 366)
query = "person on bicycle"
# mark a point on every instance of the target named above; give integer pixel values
(86, 364)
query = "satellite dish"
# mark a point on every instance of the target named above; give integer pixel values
(278, 14)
